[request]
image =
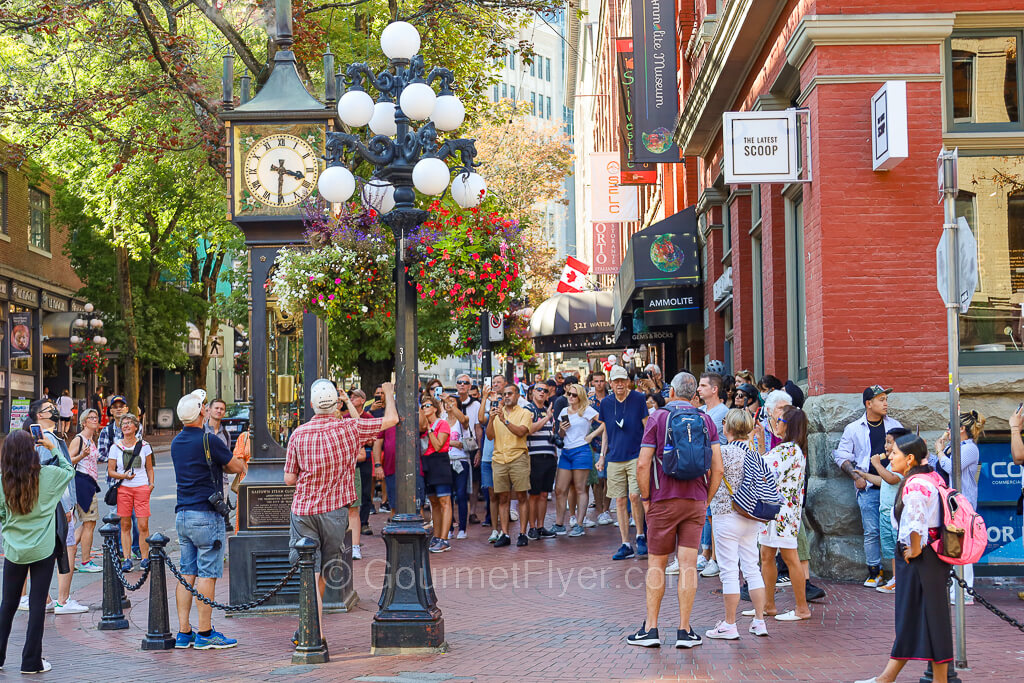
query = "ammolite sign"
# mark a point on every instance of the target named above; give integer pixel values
(607, 248)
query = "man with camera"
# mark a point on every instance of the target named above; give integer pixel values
(200, 461)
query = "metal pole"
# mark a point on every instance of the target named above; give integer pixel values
(953, 349)
(485, 348)
(113, 611)
(158, 636)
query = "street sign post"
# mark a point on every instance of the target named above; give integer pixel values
(967, 268)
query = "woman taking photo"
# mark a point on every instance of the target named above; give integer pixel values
(130, 460)
(735, 536)
(84, 454)
(28, 499)
(923, 629)
(575, 461)
(437, 472)
(971, 428)
(461, 468)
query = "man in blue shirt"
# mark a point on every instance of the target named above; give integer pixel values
(199, 464)
(624, 415)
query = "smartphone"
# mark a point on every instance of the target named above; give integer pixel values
(37, 432)
(564, 419)
(487, 384)
(438, 391)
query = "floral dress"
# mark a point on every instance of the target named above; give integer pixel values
(788, 463)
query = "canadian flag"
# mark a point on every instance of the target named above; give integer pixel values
(572, 275)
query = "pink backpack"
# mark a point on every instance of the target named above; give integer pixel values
(963, 536)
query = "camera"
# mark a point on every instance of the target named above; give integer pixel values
(643, 375)
(222, 506)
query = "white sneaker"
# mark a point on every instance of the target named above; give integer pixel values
(749, 613)
(461, 535)
(494, 536)
(758, 628)
(572, 521)
(589, 523)
(514, 514)
(357, 553)
(23, 604)
(71, 607)
(702, 563)
(711, 569)
(723, 631)
(451, 535)
(632, 522)
(673, 568)
(604, 519)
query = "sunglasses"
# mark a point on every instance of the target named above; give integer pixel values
(462, 381)
(508, 393)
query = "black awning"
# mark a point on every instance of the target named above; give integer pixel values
(572, 322)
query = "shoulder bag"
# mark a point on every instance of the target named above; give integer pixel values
(110, 497)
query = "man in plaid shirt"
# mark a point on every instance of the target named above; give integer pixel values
(320, 464)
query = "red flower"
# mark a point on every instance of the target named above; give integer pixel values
(430, 250)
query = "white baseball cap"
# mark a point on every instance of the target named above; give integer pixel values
(618, 372)
(323, 396)
(190, 406)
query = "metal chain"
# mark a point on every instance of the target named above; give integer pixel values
(985, 603)
(115, 562)
(230, 608)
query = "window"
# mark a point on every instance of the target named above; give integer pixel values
(755, 205)
(3, 203)
(796, 287)
(495, 93)
(547, 69)
(726, 234)
(533, 69)
(512, 90)
(512, 60)
(983, 88)
(504, 90)
(39, 219)
(757, 266)
(533, 103)
(727, 350)
(549, 107)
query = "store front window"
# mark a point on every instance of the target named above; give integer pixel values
(984, 84)
(992, 200)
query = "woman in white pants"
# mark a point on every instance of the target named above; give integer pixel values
(735, 536)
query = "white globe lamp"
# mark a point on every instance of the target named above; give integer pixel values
(355, 108)
(449, 113)
(75, 339)
(430, 176)
(468, 189)
(79, 322)
(383, 121)
(96, 323)
(379, 195)
(336, 184)
(97, 340)
(89, 308)
(417, 101)
(400, 40)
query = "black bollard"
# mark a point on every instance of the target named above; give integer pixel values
(158, 635)
(113, 613)
(311, 648)
(951, 676)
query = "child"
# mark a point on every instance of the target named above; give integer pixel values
(888, 483)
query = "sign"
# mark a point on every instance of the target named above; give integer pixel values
(999, 479)
(495, 327)
(26, 384)
(633, 173)
(655, 93)
(950, 181)
(667, 251)
(4, 284)
(722, 288)
(267, 507)
(672, 306)
(575, 342)
(215, 347)
(19, 412)
(889, 140)
(967, 272)
(54, 303)
(1004, 534)
(24, 295)
(21, 335)
(607, 248)
(761, 147)
(609, 201)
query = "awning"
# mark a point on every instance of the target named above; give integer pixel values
(572, 322)
(57, 329)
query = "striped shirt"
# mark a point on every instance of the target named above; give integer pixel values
(539, 443)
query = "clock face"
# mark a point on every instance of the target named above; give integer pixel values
(281, 170)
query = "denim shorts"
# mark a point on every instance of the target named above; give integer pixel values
(486, 475)
(579, 458)
(202, 538)
(439, 490)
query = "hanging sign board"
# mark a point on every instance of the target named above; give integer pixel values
(889, 144)
(607, 252)
(495, 327)
(761, 147)
(609, 199)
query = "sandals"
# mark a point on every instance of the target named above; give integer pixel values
(789, 616)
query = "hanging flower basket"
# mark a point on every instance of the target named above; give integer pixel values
(87, 357)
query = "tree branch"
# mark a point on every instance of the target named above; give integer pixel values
(234, 39)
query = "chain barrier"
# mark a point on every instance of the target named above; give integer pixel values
(985, 603)
(230, 608)
(115, 556)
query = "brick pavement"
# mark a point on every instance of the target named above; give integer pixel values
(553, 611)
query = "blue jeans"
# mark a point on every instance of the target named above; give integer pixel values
(390, 485)
(705, 534)
(461, 494)
(867, 500)
(202, 539)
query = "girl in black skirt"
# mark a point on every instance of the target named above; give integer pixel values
(923, 630)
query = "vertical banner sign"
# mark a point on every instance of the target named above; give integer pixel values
(19, 412)
(656, 99)
(21, 335)
(633, 173)
(609, 200)
(607, 252)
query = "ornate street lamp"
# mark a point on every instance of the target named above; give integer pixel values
(403, 158)
(88, 323)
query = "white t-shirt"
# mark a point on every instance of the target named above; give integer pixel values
(119, 453)
(457, 431)
(579, 427)
(64, 406)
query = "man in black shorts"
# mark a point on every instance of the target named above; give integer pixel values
(543, 463)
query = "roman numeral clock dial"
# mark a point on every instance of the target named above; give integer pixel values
(281, 170)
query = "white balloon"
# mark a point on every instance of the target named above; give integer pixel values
(355, 108)
(379, 195)
(468, 189)
(449, 113)
(417, 101)
(336, 184)
(400, 40)
(383, 121)
(431, 175)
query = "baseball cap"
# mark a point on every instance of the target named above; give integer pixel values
(190, 406)
(120, 398)
(875, 390)
(618, 372)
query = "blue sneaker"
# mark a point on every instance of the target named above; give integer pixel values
(624, 553)
(126, 566)
(641, 546)
(214, 641)
(145, 563)
(183, 641)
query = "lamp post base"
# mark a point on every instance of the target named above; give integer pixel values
(408, 620)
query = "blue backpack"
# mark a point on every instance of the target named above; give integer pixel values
(687, 453)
